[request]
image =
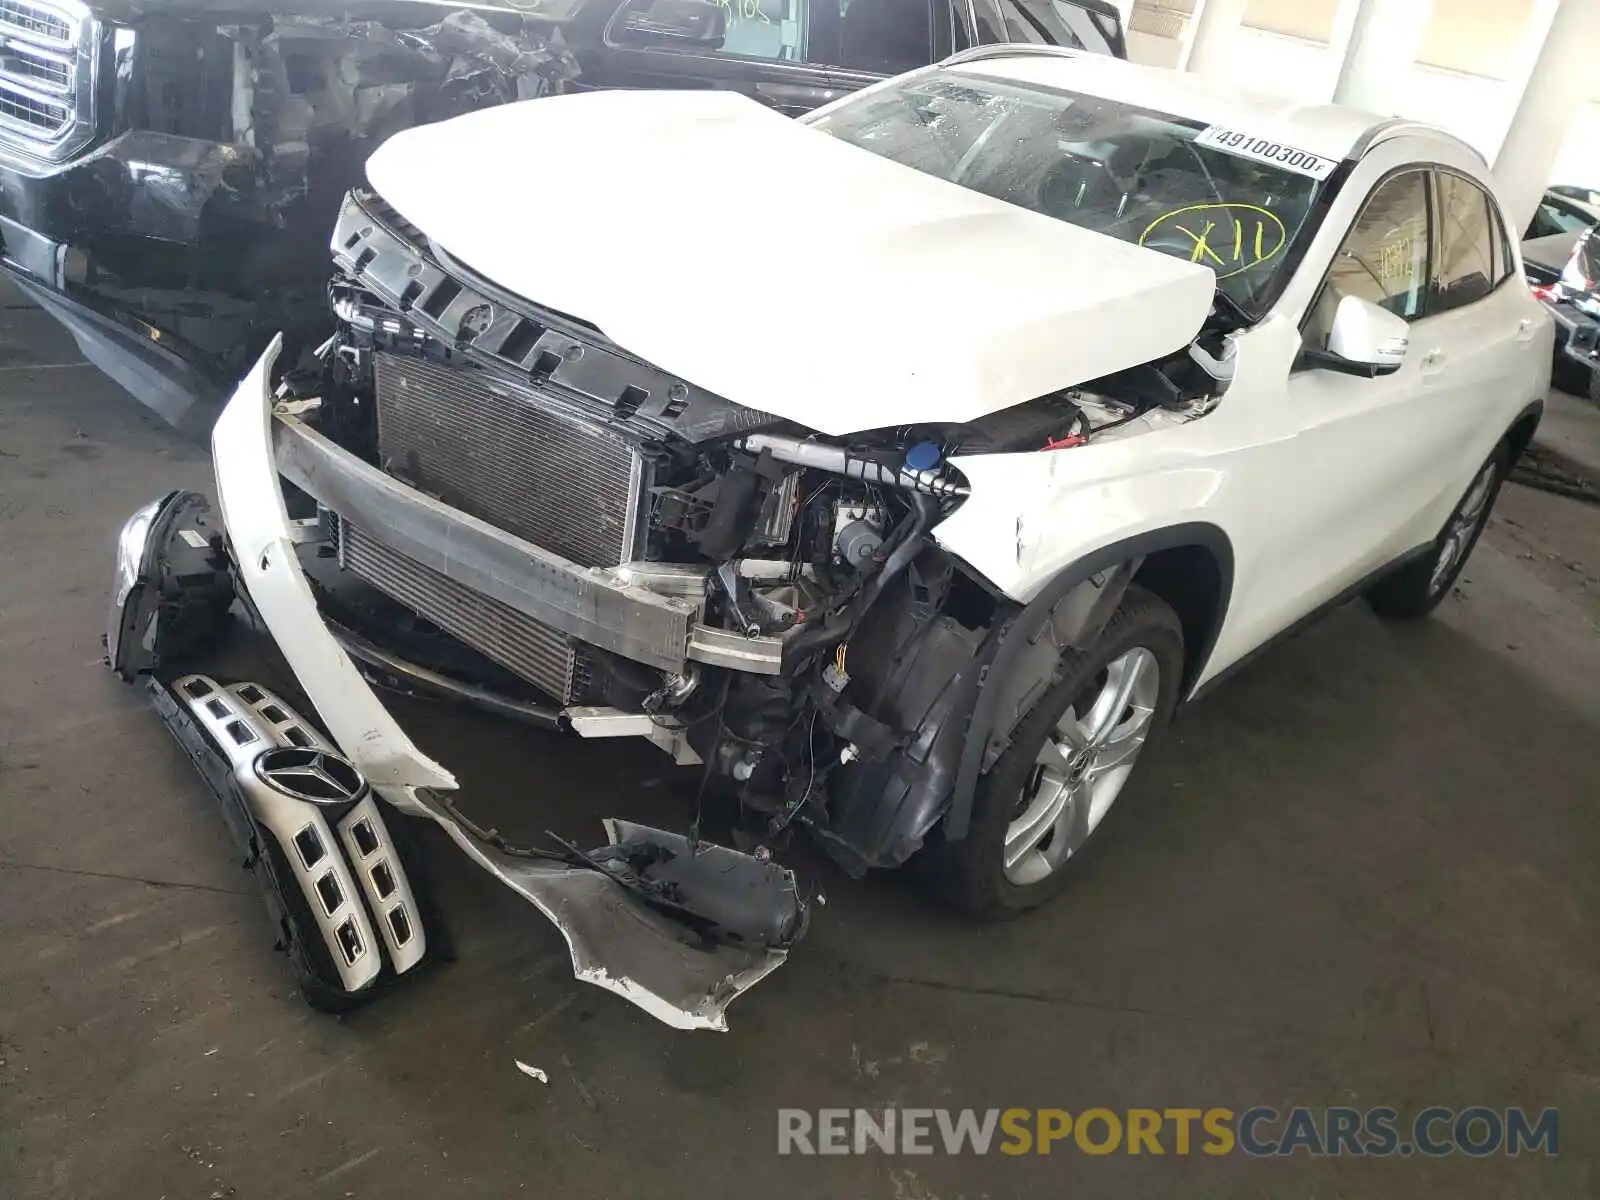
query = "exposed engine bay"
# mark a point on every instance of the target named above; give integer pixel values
(833, 651)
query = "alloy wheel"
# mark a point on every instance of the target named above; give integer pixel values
(1463, 529)
(1082, 766)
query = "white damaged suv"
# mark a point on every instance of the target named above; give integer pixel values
(900, 468)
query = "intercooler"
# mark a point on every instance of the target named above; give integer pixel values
(482, 447)
(554, 663)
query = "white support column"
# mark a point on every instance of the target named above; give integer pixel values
(1211, 30)
(1558, 81)
(1384, 36)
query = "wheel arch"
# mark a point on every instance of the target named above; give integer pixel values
(1195, 580)
(1188, 565)
(1521, 431)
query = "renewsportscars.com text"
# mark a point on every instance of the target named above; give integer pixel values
(1434, 1132)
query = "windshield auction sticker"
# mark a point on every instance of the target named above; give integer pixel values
(1246, 145)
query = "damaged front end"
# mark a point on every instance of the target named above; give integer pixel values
(167, 177)
(466, 491)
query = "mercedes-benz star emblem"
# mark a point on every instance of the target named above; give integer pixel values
(317, 776)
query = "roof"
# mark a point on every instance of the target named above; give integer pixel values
(1331, 130)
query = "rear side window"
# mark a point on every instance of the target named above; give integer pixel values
(883, 37)
(1464, 268)
(1058, 23)
(771, 29)
(1049, 22)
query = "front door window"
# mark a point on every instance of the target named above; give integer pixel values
(1384, 258)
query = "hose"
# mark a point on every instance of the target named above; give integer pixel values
(820, 456)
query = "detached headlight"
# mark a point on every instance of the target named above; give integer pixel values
(171, 589)
(131, 545)
(130, 551)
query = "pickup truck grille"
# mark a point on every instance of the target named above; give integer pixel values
(47, 59)
(559, 482)
(36, 21)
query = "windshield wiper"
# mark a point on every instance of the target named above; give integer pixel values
(1236, 313)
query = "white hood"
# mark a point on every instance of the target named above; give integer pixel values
(778, 267)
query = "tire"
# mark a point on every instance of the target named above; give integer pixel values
(972, 873)
(1594, 385)
(1417, 588)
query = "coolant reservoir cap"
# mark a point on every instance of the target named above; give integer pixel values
(924, 456)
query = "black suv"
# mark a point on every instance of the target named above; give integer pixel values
(169, 173)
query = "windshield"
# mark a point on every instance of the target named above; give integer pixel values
(1159, 181)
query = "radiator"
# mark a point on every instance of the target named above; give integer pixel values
(559, 482)
(554, 663)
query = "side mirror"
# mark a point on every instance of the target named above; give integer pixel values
(1365, 340)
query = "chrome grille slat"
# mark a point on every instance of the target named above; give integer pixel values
(38, 22)
(542, 656)
(27, 114)
(48, 58)
(35, 71)
(560, 483)
(28, 88)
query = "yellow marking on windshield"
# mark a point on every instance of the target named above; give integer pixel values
(1202, 244)
(1259, 234)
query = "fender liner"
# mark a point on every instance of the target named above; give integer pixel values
(1516, 441)
(1015, 638)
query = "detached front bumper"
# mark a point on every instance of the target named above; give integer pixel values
(617, 941)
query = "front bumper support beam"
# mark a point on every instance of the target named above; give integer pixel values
(579, 601)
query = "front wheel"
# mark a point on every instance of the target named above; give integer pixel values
(1069, 760)
(1417, 588)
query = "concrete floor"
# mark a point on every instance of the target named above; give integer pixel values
(1570, 429)
(1363, 874)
